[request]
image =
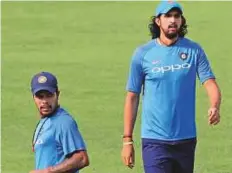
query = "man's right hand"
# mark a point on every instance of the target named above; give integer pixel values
(128, 155)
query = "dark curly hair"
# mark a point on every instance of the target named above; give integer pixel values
(155, 29)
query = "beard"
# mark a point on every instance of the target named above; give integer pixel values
(48, 110)
(170, 34)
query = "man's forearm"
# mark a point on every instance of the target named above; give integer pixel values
(76, 161)
(213, 92)
(130, 113)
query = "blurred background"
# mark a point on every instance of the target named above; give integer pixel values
(88, 45)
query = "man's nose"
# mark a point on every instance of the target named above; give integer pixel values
(172, 19)
(44, 100)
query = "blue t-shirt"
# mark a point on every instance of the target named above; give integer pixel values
(55, 137)
(166, 75)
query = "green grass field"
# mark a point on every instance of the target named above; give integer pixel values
(88, 45)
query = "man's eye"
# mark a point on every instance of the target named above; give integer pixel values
(39, 96)
(177, 15)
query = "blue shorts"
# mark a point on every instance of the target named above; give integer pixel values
(168, 157)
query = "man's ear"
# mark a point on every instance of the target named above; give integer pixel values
(58, 93)
(157, 21)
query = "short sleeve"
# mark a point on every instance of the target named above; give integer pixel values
(204, 70)
(69, 136)
(136, 75)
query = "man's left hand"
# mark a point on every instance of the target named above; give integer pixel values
(214, 116)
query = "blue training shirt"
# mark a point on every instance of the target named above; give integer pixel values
(55, 137)
(167, 75)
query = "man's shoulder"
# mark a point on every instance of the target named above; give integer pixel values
(146, 46)
(142, 49)
(63, 117)
(190, 43)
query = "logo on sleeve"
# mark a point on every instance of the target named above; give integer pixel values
(39, 141)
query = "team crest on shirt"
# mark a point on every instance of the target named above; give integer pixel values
(183, 56)
(42, 79)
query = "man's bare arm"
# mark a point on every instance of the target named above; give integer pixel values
(213, 92)
(130, 112)
(78, 161)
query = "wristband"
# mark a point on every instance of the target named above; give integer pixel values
(128, 143)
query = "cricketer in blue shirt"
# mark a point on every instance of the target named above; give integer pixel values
(164, 70)
(57, 141)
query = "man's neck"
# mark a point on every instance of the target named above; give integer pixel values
(163, 40)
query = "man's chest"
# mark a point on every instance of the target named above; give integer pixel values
(44, 136)
(170, 65)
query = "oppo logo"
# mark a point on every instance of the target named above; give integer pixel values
(171, 68)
